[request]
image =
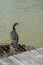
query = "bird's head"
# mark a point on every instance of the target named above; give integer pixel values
(15, 25)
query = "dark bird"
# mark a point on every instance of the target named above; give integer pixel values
(14, 36)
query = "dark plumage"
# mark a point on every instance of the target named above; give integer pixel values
(14, 36)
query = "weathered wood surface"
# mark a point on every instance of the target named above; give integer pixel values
(34, 57)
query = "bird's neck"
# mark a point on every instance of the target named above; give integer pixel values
(14, 30)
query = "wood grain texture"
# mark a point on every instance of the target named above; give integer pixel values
(34, 57)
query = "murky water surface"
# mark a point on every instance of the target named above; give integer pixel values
(29, 15)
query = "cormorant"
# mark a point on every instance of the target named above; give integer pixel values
(14, 37)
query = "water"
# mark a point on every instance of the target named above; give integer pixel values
(29, 15)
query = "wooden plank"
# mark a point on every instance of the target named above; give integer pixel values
(29, 57)
(10, 61)
(16, 61)
(2, 62)
(40, 50)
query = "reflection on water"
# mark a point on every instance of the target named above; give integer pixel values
(29, 14)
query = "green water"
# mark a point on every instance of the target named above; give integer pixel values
(29, 15)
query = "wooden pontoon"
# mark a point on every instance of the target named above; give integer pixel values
(33, 57)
